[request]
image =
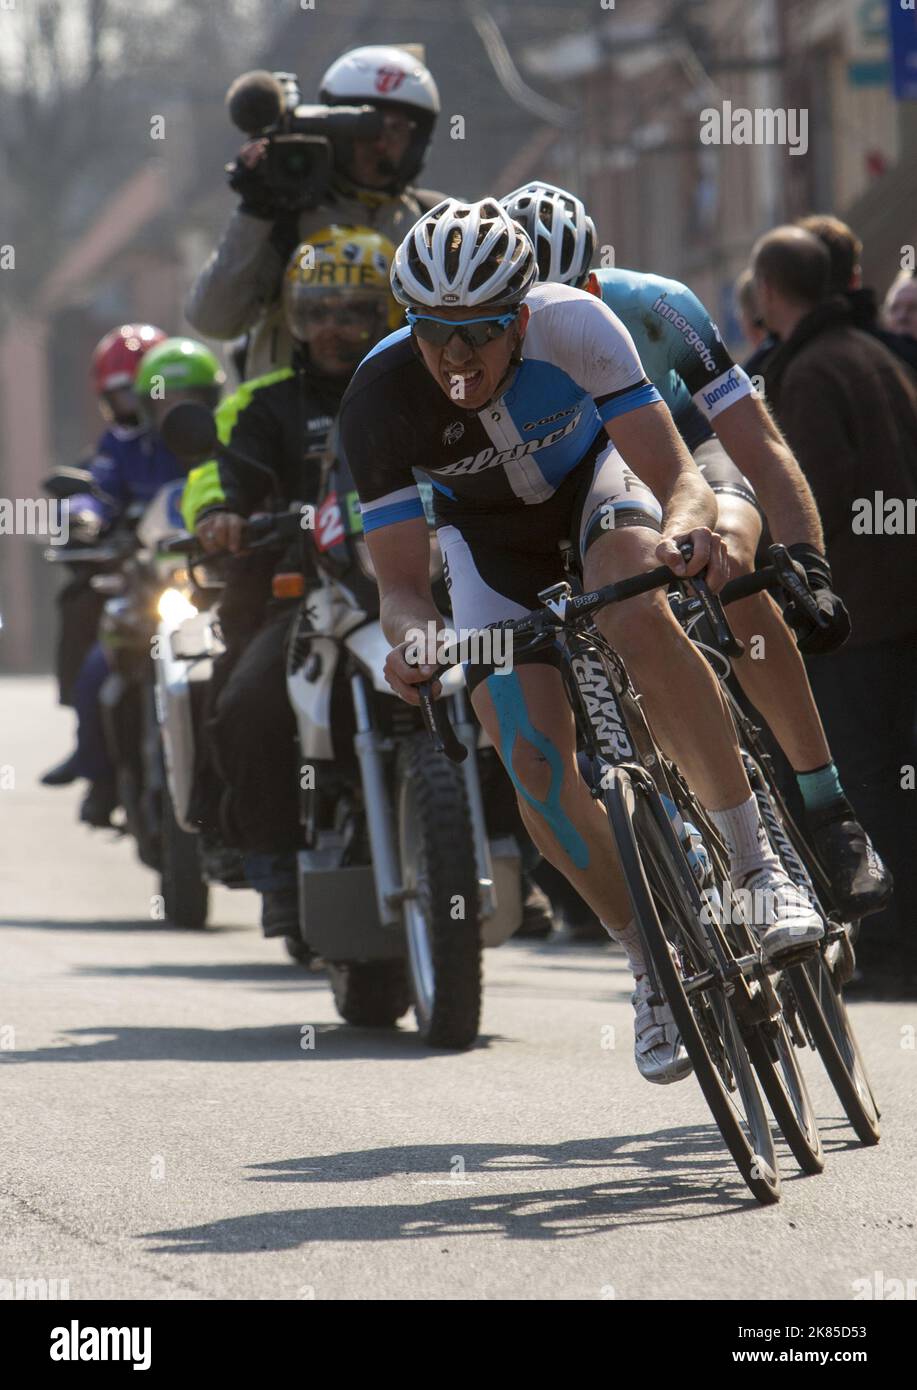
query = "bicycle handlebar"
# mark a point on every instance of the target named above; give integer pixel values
(541, 624)
(259, 532)
(788, 574)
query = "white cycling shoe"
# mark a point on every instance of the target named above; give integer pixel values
(780, 914)
(658, 1049)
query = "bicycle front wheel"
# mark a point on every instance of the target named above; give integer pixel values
(666, 906)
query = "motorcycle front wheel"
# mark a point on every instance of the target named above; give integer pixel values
(441, 907)
(185, 893)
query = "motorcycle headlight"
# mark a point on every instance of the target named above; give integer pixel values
(364, 559)
(173, 607)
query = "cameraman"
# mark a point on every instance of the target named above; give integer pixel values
(238, 290)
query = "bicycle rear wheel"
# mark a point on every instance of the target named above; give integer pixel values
(774, 1056)
(815, 989)
(812, 987)
(825, 1014)
(666, 906)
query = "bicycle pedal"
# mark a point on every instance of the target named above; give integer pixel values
(793, 955)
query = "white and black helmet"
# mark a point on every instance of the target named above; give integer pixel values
(464, 253)
(557, 222)
(385, 75)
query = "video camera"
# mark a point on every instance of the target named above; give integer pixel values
(296, 169)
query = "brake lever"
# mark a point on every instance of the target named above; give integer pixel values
(438, 725)
(794, 581)
(724, 639)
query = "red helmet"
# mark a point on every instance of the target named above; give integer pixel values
(117, 356)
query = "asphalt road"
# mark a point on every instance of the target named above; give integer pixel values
(169, 1132)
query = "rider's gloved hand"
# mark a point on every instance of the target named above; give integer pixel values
(220, 531)
(247, 178)
(812, 640)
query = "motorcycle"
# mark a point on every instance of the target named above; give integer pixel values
(133, 573)
(400, 884)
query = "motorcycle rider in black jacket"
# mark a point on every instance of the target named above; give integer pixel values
(337, 304)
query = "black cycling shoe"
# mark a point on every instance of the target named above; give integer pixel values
(860, 881)
(280, 912)
(537, 918)
(98, 804)
(61, 775)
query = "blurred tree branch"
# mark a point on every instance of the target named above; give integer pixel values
(79, 85)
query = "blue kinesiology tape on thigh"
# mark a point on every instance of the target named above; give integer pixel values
(512, 715)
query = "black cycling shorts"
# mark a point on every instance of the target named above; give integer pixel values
(721, 473)
(496, 563)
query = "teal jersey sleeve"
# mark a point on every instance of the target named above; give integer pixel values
(678, 342)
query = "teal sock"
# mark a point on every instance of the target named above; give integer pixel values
(820, 788)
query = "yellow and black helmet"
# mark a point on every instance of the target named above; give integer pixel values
(340, 267)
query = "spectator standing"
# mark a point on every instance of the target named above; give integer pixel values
(849, 411)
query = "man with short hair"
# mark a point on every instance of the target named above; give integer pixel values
(846, 278)
(848, 409)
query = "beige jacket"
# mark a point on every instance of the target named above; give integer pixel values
(238, 290)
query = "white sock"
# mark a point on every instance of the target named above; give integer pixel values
(746, 839)
(629, 938)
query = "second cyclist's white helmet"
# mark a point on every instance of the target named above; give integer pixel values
(466, 254)
(557, 222)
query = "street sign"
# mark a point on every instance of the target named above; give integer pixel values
(903, 34)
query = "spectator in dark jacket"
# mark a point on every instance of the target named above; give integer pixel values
(845, 249)
(849, 411)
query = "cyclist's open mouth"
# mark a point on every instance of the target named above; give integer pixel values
(463, 384)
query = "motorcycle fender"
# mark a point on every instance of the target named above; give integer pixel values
(174, 679)
(370, 646)
(311, 699)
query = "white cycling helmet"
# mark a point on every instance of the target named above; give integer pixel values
(563, 234)
(466, 254)
(384, 75)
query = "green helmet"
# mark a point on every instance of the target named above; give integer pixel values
(181, 364)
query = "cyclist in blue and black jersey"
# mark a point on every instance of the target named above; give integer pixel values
(522, 402)
(723, 423)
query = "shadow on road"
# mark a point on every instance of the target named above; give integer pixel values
(281, 972)
(333, 1042)
(113, 925)
(688, 1167)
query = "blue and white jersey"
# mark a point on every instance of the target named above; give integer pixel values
(131, 465)
(679, 345)
(579, 370)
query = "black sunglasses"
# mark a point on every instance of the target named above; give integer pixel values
(474, 332)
